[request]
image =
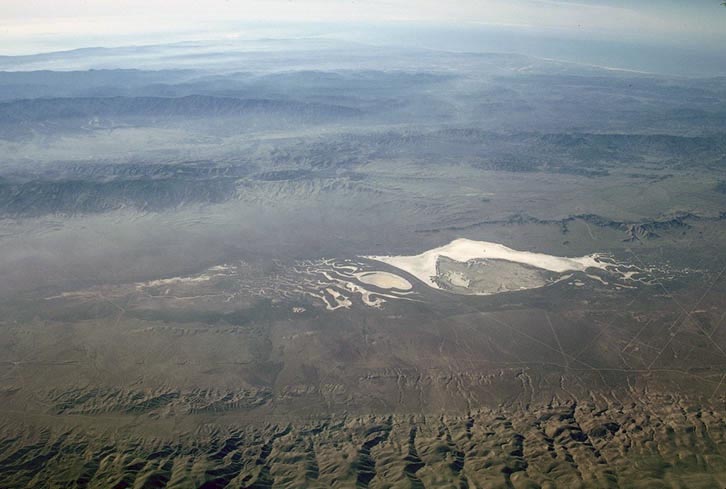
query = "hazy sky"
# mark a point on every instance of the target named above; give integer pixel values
(32, 25)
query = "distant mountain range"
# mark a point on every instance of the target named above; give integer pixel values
(56, 109)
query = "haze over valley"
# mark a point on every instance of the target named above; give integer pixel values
(313, 262)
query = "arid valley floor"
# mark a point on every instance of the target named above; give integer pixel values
(368, 269)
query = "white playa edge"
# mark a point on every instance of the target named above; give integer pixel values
(423, 266)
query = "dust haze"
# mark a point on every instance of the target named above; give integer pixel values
(304, 262)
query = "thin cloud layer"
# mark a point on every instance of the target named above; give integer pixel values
(26, 26)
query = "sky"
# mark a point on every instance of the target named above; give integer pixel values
(28, 26)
